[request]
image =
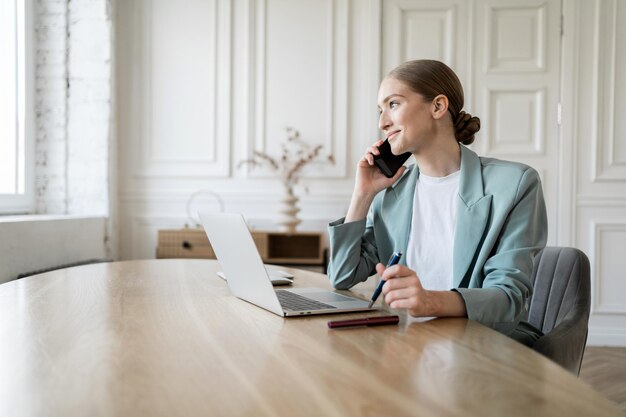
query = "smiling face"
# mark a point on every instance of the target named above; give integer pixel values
(406, 118)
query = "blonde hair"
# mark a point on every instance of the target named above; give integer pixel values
(431, 78)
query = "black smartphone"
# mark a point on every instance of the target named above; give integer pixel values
(387, 162)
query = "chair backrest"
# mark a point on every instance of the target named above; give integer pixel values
(560, 305)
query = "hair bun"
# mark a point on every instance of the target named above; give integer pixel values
(465, 126)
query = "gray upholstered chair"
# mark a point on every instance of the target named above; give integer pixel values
(560, 305)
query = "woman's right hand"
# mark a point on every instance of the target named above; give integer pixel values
(369, 179)
(369, 182)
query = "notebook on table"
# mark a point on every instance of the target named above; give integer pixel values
(249, 280)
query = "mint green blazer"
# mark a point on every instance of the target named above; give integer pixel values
(501, 224)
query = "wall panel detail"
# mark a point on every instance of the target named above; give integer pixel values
(609, 263)
(416, 27)
(516, 38)
(601, 234)
(609, 144)
(517, 122)
(185, 113)
(300, 78)
(427, 30)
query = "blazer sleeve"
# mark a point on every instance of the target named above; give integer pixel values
(501, 303)
(353, 251)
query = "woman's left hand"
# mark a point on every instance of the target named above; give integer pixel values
(403, 289)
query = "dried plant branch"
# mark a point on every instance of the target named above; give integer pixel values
(295, 155)
(271, 161)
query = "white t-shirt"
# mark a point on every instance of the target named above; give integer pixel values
(431, 241)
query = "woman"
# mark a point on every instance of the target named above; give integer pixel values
(468, 226)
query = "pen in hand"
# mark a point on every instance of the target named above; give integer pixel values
(392, 261)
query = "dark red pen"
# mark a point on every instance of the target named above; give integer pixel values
(370, 321)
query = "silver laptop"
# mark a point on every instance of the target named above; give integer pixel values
(248, 279)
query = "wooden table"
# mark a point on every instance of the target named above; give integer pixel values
(166, 338)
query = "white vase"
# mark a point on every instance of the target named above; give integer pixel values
(287, 219)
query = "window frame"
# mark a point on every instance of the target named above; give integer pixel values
(24, 202)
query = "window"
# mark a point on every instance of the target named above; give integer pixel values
(16, 149)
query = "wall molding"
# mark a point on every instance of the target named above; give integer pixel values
(398, 16)
(217, 163)
(606, 336)
(337, 91)
(239, 197)
(606, 167)
(538, 63)
(535, 145)
(568, 132)
(598, 229)
(600, 201)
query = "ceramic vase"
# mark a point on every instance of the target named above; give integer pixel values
(288, 211)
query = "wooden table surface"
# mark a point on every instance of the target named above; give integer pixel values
(166, 338)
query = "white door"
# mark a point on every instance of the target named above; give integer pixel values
(594, 132)
(506, 54)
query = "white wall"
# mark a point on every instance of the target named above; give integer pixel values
(51, 20)
(73, 78)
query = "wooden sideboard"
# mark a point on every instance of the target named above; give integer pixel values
(299, 248)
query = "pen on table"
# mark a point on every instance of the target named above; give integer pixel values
(395, 258)
(369, 321)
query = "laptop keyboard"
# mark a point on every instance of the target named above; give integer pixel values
(294, 302)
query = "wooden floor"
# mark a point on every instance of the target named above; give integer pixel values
(605, 370)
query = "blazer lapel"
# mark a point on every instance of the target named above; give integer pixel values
(399, 205)
(472, 215)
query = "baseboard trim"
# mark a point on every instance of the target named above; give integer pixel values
(613, 337)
